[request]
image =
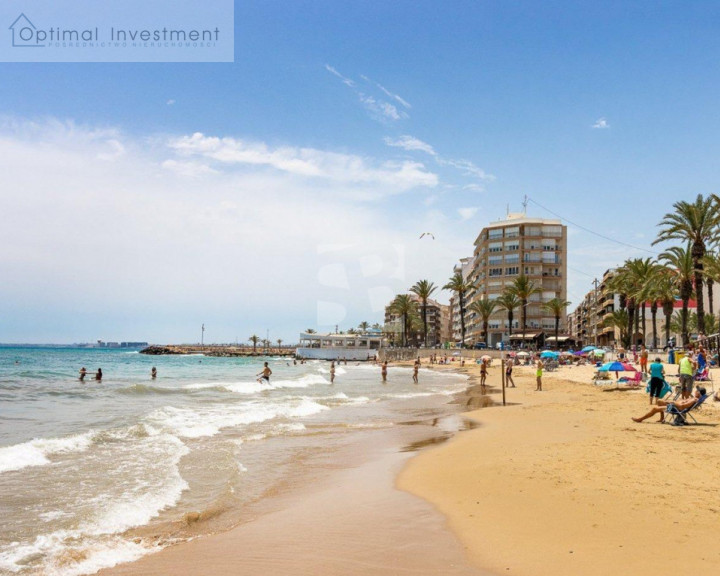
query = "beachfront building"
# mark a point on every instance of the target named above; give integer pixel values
(503, 251)
(436, 314)
(363, 346)
(464, 267)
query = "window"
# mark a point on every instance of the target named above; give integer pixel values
(512, 232)
(495, 247)
(512, 258)
(512, 271)
(493, 260)
(495, 233)
(532, 230)
(495, 272)
(552, 231)
(512, 246)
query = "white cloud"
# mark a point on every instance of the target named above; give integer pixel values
(379, 109)
(376, 177)
(387, 92)
(170, 102)
(467, 213)
(190, 229)
(601, 123)
(410, 143)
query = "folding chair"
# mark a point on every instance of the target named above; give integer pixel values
(680, 416)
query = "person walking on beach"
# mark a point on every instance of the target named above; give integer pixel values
(508, 373)
(98, 375)
(538, 374)
(83, 372)
(383, 371)
(264, 375)
(643, 359)
(657, 380)
(483, 375)
(416, 367)
(153, 373)
(686, 370)
(332, 372)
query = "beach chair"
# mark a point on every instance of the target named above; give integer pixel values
(635, 380)
(703, 375)
(679, 417)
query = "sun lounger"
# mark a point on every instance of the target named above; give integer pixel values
(679, 417)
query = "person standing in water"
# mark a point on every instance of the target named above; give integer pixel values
(83, 372)
(98, 375)
(153, 373)
(264, 375)
(332, 372)
(383, 371)
(416, 367)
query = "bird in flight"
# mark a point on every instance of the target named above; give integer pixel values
(427, 234)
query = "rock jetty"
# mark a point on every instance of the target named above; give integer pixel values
(216, 351)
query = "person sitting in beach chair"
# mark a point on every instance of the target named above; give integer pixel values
(633, 380)
(703, 375)
(678, 409)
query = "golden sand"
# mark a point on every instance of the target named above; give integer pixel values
(563, 482)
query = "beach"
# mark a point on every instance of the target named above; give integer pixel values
(563, 482)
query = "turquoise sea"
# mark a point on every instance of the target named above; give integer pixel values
(93, 474)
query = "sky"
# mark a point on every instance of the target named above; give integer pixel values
(289, 189)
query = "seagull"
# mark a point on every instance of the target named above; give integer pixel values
(427, 234)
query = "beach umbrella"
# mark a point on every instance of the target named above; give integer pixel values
(613, 367)
(548, 354)
(588, 349)
(567, 353)
(523, 354)
(598, 352)
(628, 367)
(485, 357)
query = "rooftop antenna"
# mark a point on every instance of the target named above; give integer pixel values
(525, 203)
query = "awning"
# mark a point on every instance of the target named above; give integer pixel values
(527, 336)
(560, 338)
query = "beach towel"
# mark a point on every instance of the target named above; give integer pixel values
(666, 389)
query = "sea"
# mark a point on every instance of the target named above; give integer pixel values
(93, 474)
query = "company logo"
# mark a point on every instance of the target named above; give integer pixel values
(24, 33)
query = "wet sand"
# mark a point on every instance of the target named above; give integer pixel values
(563, 482)
(344, 516)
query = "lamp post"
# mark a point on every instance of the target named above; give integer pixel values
(202, 336)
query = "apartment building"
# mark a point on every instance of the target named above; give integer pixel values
(503, 251)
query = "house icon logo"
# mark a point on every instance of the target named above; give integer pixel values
(24, 33)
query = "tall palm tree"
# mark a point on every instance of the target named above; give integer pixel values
(254, 339)
(363, 326)
(309, 331)
(424, 289)
(711, 272)
(697, 224)
(556, 306)
(681, 265)
(460, 286)
(279, 342)
(661, 292)
(523, 288)
(628, 281)
(509, 302)
(376, 326)
(484, 309)
(618, 319)
(403, 306)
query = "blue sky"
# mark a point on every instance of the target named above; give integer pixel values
(289, 189)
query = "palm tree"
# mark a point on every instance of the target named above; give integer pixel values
(523, 288)
(618, 319)
(556, 306)
(403, 306)
(661, 292)
(508, 301)
(484, 309)
(254, 339)
(711, 271)
(363, 326)
(681, 265)
(279, 342)
(309, 331)
(697, 224)
(424, 289)
(376, 326)
(460, 286)
(628, 281)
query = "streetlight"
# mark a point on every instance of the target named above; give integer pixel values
(202, 336)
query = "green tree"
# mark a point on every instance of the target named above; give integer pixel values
(697, 224)
(279, 342)
(711, 271)
(403, 306)
(460, 286)
(680, 264)
(618, 319)
(309, 331)
(508, 302)
(424, 289)
(556, 307)
(254, 339)
(523, 288)
(484, 309)
(661, 292)
(363, 327)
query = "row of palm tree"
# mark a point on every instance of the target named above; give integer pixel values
(679, 272)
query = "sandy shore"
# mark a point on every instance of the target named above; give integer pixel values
(563, 482)
(345, 517)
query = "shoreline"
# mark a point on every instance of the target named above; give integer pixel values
(345, 515)
(562, 482)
